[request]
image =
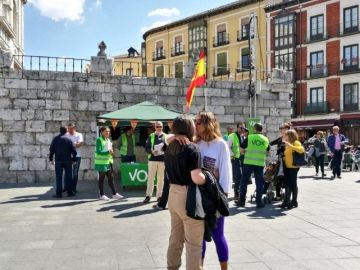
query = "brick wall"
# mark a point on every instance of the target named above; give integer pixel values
(301, 63)
(333, 18)
(333, 56)
(301, 98)
(333, 93)
(33, 105)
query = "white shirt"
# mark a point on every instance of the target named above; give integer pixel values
(76, 138)
(215, 156)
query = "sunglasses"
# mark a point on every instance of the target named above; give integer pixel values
(158, 126)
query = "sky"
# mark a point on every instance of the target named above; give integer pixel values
(74, 28)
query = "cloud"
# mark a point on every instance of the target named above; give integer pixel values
(61, 10)
(154, 25)
(98, 3)
(164, 12)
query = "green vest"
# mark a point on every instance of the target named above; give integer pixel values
(152, 142)
(124, 144)
(102, 160)
(235, 147)
(226, 136)
(255, 153)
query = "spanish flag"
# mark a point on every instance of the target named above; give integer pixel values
(197, 80)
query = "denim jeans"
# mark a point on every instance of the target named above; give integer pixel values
(336, 162)
(259, 182)
(61, 166)
(75, 173)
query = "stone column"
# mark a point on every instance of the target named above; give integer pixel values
(100, 63)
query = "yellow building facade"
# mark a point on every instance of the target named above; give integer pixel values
(223, 31)
(128, 64)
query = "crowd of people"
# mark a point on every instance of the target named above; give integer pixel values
(186, 162)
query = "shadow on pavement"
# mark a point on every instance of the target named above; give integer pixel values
(73, 203)
(268, 212)
(123, 207)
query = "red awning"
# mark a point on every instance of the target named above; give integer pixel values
(350, 116)
(314, 123)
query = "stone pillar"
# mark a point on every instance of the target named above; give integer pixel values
(100, 63)
(6, 60)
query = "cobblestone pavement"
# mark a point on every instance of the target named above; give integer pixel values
(38, 232)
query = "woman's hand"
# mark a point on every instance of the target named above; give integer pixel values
(182, 139)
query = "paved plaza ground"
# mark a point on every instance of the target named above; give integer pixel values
(38, 232)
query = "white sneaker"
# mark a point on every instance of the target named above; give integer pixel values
(117, 196)
(104, 198)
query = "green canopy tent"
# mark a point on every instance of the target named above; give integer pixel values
(143, 112)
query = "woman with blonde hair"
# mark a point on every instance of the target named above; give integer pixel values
(215, 156)
(292, 144)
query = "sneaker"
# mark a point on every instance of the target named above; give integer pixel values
(147, 199)
(70, 194)
(339, 177)
(323, 175)
(104, 198)
(117, 196)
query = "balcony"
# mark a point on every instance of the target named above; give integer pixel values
(242, 68)
(221, 71)
(221, 39)
(351, 107)
(316, 108)
(179, 49)
(242, 35)
(316, 38)
(316, 71)
(158, 55)
(348, 66)
(344, 30)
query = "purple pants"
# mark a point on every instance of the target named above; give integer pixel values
(220, 241)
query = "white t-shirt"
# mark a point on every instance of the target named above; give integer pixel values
(215, 156)
(76, 138)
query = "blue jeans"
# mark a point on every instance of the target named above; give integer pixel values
(236, 171)
(75, 173)
(259, 182)
(61, 166)
(336, 162)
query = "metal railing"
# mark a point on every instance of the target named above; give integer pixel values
(314, 108)
(242, 68)
(158, 55)
(178, 50)
(318, 37)
(353, 28)
(221, 39)
(351, 107)
(221, 71)
(349, 65)
(49, 63)
(243, 35)
(316, 71)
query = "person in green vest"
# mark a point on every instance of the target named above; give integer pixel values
(155, 147)
(127, 145)
(104, 163)
(229, 130)
(255, 148)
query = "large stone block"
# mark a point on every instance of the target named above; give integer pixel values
(44, 151)
(35, 126)
(37, 84)
(25, 177)
(44, 138)
(83, 105)
(4, 164)
(96, 106)
(8, 177)
(112, 106)
(4, 137)
(21, 103)
(4, 92)
(7, 114)
(61, 115)
(5, 103)
(106, 97)
(37, 164)
(233, 110)
(44, 176)
(16, 83)
(46, 115)
(23, 93)
(90, 175)
(12, 150)
(96, 87)
(31, 151)
(18, 164)
(85, 164)
(36, 104)
(64, 95)
(52, 126)
(28, 115)
(89, 138)
(87, 151)
(53, 104)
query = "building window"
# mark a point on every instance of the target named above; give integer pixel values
(197, 40)
(245, 58)
(351, 57)
(221, 67)
(222, 38)
(317, 27)
(316, 95)
(129, 71)
(245, 29)
(284, 59)
(178, 48)
(160, 71)
(351, 97)
(317, 63)
(285, 31)
(351, 19)
(179, 71)
(159, 51)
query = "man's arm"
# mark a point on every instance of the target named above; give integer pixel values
(80, 142)
(52, 150)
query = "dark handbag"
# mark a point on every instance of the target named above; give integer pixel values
(299, 159)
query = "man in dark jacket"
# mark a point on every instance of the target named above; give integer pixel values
(65, 155)
(336, 142)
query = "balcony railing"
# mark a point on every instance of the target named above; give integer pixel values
(243, 35)
(242, 68)
(344, 30)
(351, 107)
(178, 50)
(349, 66)
(316, 71)
(158, 55)
(221, 39)
(315, 108)
(221, 71)
(314, 38)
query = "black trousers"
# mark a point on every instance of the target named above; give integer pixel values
(319, 161)
(336, 162)
(291, 187)
(110, 178)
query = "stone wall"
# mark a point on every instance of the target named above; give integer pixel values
(34, 104)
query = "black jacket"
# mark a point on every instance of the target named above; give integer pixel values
(213, 201)
(63, 149)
